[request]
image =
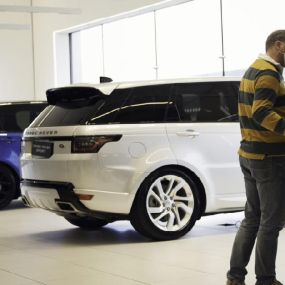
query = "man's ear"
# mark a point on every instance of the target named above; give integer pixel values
(278, 44)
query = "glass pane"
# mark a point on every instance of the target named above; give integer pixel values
(109, 109)
(146, 104)
(206, 102)
(101, 111)
(246, 27)
(23, 119)
(87, 56)
(189, 39)
(63, 116)
(8, 122)
(129, 48)
(17, 117)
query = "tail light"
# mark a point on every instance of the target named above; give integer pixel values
(91, 144)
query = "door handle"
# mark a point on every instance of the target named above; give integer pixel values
(188, 133)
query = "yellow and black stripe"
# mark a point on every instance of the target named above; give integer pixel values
(262, 111)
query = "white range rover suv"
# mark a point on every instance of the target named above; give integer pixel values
(159, 153)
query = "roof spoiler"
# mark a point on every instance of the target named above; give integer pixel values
(73, 96)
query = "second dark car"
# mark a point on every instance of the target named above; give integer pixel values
(14, 118)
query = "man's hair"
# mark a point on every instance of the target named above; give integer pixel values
(278, 35)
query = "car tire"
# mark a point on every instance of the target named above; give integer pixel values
(86, 223)
(166, 205)
(8, 186)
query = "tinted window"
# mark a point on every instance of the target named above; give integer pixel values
(17, 117)
(108, 111)
(204, 102)
(146, 104)
(101, 111)
(64, 116)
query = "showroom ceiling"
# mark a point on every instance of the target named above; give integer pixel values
(31, 9)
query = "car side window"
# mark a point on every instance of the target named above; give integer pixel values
(23, 119)
(17, 117)
(204, 102)
(146, 104)
(26, 113)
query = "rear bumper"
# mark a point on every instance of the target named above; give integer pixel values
(60, 198)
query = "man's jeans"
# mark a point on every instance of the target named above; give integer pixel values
(264, 218)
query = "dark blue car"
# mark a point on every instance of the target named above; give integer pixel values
(14, 118)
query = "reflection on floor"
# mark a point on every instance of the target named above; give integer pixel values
(38, 247)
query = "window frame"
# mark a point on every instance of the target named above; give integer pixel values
(169, 92)
(230, 85)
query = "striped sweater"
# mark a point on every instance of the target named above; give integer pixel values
(262, 111)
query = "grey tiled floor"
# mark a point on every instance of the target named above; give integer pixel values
(38, 247)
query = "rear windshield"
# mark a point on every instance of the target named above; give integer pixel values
(102, 111)
(123, 106)
(17, 117)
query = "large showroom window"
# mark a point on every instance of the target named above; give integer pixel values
(167, 43)
(245, 33)
(129, 48)
(190, 43)
(87, 55)
(205, 37)
(122, 50)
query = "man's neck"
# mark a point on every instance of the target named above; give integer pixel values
(269, 58)
(272, 55)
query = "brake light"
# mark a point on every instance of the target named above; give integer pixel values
(92, 144)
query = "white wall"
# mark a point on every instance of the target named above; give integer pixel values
(16, 58)
(16, 65)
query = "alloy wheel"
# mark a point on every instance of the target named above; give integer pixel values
(170, 203)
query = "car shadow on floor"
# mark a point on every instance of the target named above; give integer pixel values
(121, 233)
(14, 205)
(75, 236)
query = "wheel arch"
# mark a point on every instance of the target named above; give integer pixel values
(18, 192)
(202, 200)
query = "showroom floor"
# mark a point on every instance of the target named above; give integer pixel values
(38, 247)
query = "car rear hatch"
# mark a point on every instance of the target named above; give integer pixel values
(49, 142)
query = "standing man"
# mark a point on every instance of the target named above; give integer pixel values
(262, 160)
